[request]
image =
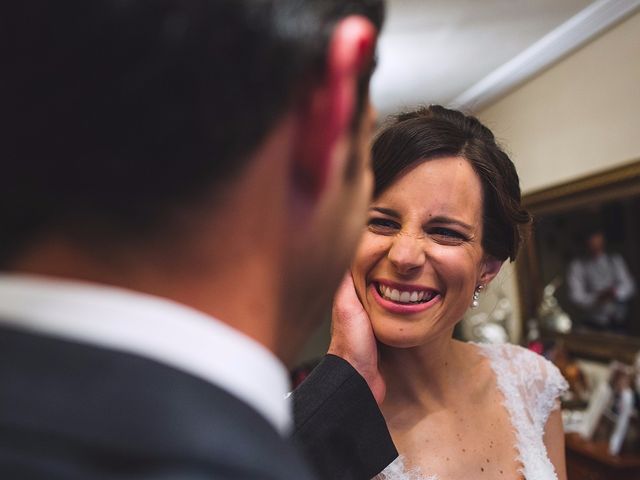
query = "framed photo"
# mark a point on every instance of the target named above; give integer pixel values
(585, 249)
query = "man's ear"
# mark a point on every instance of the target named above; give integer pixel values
(325, 114)
(490, 268)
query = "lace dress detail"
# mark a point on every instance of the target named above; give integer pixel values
(530, 386)
(398, 471)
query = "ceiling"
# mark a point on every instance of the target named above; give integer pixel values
(431, 51)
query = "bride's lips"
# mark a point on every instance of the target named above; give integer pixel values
(402, 308)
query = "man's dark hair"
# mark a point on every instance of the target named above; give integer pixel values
(114, 112)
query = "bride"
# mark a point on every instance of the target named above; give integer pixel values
(446, 214)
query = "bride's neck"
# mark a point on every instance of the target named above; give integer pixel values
(422, 374)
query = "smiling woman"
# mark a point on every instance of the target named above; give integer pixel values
(428, 240)
(446, 214)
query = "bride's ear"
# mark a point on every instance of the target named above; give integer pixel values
(490, 268)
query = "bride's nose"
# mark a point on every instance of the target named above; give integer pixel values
(407, 253)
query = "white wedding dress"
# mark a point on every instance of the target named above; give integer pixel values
(530, 386)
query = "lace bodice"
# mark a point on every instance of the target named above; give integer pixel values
(530, 386)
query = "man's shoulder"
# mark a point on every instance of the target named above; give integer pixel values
(91, 407)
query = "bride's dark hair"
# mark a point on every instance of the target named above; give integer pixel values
(435, 132)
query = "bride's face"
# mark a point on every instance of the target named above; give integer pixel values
(421, 257)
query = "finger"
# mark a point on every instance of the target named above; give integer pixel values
(337, 298)
(346, 305)
(346, 288)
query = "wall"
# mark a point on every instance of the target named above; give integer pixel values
(578, 117)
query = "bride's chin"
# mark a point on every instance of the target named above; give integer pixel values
(396, 339)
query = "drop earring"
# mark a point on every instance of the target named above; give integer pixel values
(476, 296)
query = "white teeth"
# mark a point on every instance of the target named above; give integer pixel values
(405, 296)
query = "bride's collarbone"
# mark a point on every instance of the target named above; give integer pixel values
(463, 397)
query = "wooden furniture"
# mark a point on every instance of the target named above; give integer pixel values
(591, 461)
(598, 346)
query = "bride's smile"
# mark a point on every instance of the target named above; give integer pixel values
(402, 298)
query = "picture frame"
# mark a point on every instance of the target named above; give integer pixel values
(612, 197)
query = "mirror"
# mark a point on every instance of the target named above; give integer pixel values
(579, 273)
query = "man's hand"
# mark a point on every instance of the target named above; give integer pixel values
(607, 295)
(352, 337)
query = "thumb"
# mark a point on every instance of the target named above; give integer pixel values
(352, 337)
(346, 304)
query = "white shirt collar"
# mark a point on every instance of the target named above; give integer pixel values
(155, 328)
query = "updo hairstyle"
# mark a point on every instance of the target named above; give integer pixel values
(436, 132)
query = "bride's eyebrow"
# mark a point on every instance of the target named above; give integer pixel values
(385, 211)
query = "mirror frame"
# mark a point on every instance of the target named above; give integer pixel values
(613, 184)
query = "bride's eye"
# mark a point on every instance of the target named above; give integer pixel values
(447, 235)
(382, 225)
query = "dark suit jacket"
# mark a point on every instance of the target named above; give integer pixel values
(339, 426)
(75, 411)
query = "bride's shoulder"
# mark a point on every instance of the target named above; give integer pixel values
(536, 380)
(520, 361)
(510, 352)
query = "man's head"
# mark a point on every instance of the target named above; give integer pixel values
(595, 242)
(126, 124)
